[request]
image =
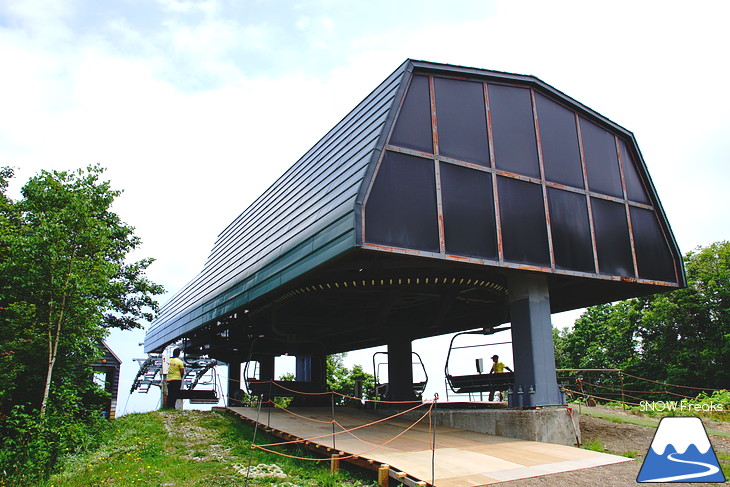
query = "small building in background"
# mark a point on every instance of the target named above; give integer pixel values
(106, 374)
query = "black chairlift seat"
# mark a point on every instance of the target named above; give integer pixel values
(381, 390)
(199, 371)
(418, 388)
(199, 396)
(481, 382)
(474, 383)
(282, 388)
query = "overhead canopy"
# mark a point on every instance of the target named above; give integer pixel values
(413, 211)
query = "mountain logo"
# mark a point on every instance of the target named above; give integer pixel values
(680, 452)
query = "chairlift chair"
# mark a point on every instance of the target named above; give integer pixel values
(200, 371)
(300, 390)
(381, 390)
(480, 382)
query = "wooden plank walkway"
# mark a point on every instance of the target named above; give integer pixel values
(462, 458)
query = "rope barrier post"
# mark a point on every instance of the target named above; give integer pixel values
(334, 444)
(253, 441)
(433, 441)
(335, 463)
(383, 475)
(269, 400)
(623, 401)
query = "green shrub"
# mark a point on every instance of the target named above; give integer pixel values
(32, 446)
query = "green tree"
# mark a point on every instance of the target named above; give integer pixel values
(603, 337)
(681, 337)
(685, 335)
(562, 359)
(64, 279)
(342, 380)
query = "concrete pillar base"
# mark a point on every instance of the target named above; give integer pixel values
(550, 424)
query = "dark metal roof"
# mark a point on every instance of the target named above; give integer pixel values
(443, 171)
(304, 219)
(108, 357)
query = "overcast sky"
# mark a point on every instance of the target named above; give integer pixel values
(196, 107)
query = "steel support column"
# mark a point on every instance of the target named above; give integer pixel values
(311, 371)
(303, 368)
(400, 370)
(267, 372)
(234, 383)
(536, 383)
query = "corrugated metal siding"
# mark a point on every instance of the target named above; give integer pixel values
(304, 219)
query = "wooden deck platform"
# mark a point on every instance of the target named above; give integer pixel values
(462, 458)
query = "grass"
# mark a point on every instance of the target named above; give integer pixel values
(212, 449)
(637, 419)
(595, 445)
(724, 460)
(191, 449)
(616, 418)
(632, 419)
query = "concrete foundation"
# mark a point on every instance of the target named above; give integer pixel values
(549, 424)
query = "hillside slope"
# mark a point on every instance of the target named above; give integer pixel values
(191, 449)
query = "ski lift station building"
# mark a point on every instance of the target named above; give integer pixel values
(449, 199)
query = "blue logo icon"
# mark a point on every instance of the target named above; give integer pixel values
(680, 452)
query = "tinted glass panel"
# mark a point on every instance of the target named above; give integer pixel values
(599, 147)
(559, 138)
(634, 186)
(468, 206)
(401, 208)
(571, 230)
(652, 254)
(612, 238)
(462, 120)
(413, 127)
(524, 232)
(513, 130)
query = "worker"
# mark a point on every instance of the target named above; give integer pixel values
(175, 374)
(497, 368)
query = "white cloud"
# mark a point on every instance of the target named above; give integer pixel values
(41, 20)
(209, 7)
(197, 112)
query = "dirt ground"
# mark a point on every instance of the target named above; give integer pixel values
(619, 439)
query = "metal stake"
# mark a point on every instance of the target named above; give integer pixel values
(253, 441)
(433, 442)
(334, 445)
(270, 399)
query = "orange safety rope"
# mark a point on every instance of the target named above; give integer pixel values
(671, 385)
(344, 457)
(599, 397)
(275, 383)
(638, 392)
(625, 395)
(341, 432)
(375, 400)
(324, 393)
(345, 430)
(303, 417)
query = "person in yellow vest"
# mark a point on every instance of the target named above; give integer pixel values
(175, 374)
(497, 368)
